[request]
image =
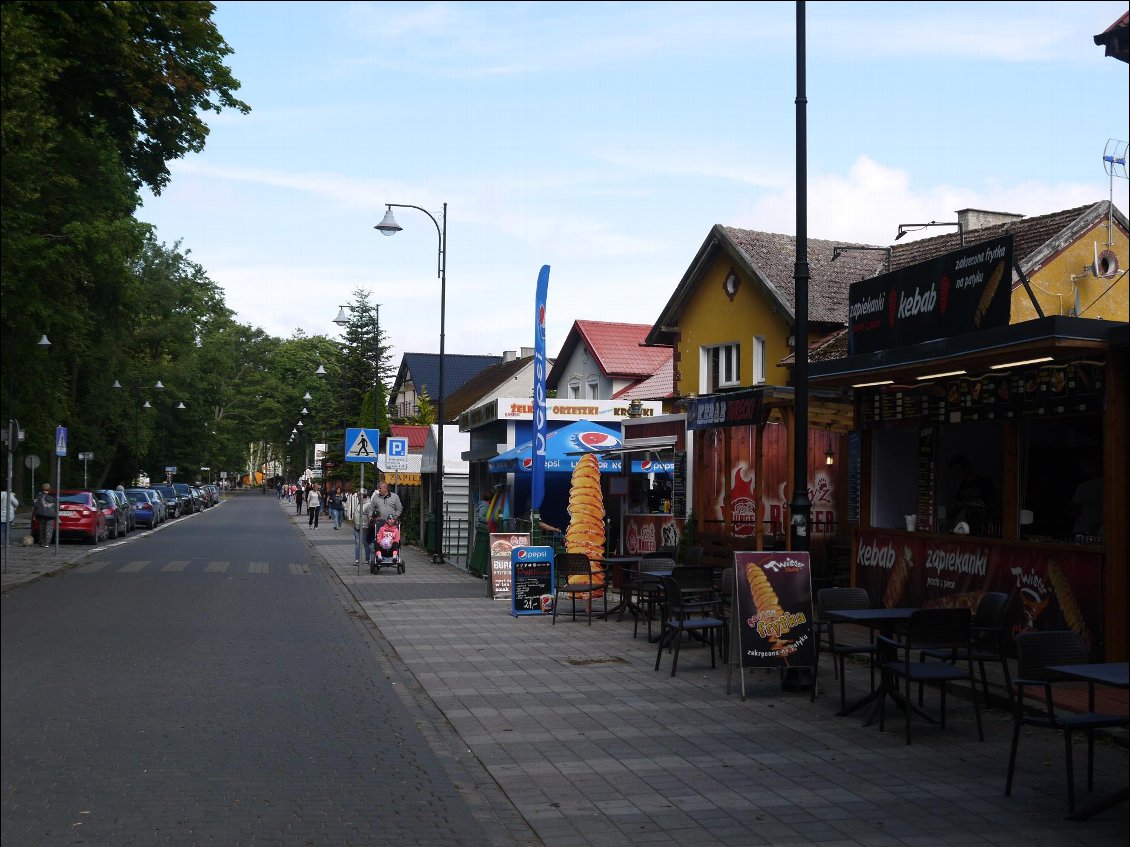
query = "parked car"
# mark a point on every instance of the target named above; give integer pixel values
(144, 509)
(215, 491)
(79, 516)
(188, 502)
(157, 500)
(177, 504)
(209, 499)
(115, 519)
(199, 497)
(127, 508)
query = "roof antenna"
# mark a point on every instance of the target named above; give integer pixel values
(1114, 163)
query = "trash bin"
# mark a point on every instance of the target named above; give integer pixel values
(430, 533)
(479, 564)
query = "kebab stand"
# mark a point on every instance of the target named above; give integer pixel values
(951, 397)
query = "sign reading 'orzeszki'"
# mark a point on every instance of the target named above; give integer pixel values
(964, 291)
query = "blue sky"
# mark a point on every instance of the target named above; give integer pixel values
(606, 139)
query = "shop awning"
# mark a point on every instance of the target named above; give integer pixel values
(563, 450)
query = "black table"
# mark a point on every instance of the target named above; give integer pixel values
(617, 564)
(884, 620)
(1116, 675)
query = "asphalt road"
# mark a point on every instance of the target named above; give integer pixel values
(208, 684)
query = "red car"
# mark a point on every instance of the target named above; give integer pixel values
(79, 516)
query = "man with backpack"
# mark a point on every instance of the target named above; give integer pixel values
(45, 508)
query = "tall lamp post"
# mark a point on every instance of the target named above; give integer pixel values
(389, 226)
(13, 434)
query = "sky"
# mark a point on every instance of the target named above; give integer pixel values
(605, 140)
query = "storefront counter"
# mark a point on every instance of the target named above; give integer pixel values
(1059, 586)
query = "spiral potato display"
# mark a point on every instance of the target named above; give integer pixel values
(1072, 614)
(585, 533)
(900, 576)
(765, 601)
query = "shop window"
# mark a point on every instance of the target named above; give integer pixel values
(720, 367)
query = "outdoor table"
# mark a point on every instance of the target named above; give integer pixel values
(1115, 675)
(618, 564)
(885, 620)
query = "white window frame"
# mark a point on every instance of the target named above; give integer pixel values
(728, 366)
(758, 371)
(594, 390)
(574, 389)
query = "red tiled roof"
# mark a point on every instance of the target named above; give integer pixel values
(616, 348)
(659, 386)
(417, 436)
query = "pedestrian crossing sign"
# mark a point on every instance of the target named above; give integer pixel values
(362, 445)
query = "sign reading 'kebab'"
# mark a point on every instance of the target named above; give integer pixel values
(963, 291)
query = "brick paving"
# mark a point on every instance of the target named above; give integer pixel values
(591, 746)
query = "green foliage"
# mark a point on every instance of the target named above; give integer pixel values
(410, 523)
(425, 411)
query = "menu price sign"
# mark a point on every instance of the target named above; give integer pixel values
(925, 505)
(679, 485)
(501, 546)
(773, 611)
(532, 581)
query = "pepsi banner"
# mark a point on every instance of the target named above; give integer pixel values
(964, 291)
(537, 484)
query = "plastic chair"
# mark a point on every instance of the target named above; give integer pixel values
(832, 599)
(927, 629)
(679, 619)
(577, 576)
(1036, 652)
(990, 636)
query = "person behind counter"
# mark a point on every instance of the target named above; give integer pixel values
(974, 500)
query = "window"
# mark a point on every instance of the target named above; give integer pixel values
(721, 367)
(574, 389)
(758, 360)
(593, 391)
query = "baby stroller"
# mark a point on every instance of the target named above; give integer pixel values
(386, 546)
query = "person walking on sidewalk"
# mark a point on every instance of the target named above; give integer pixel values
(358, 508)
(299, 495)
(336, 507)
(313, 506)
(386, 503)
(8, 505)
(44, 508)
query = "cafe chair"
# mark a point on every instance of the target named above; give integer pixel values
(833, 599)
(649, 591)
(684, 618)
(693, 556)
(927, 629)
(577, 576)
(991, 633)
(1036, 652)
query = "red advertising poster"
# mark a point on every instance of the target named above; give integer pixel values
(501, 544)
(773, 609)
(1057, 587)
(647, 533)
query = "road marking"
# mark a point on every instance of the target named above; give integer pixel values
(298, 569)
(258, 567)
(133, 567)
(175, 566)
(97, 566)
(217, 567)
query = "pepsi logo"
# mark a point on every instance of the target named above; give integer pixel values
(645, 465)
(592, 440)
(521, 554)
(527, 463)
(541, 317)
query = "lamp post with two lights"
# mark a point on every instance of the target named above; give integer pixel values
(389, 226)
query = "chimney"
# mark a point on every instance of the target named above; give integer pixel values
(527, 353)
(508, 355)
(971, 219)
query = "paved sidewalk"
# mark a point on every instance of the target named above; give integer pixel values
(21, 565)
(594, 747)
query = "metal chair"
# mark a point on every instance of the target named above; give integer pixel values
(991, 632)
(831, 599)
(1036, 652)
(679, 619)
(927, 629)
(577, 576)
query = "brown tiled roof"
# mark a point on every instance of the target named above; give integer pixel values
(658, 386)
(482, 383)
(831, 346)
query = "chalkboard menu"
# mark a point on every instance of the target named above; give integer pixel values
(679, 485)
(531, 581)
(925, 486)
(854, 477)
(501, 546)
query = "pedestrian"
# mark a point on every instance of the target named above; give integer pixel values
(44, 508)
(8, 506)
(278, 490)
(337, 507)
(358, 508)
(386, 503)
(299, 496)
(313, 506)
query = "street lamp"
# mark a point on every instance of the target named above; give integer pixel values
(136, 419)
(389, 226)
(13, 434)
(905, 228)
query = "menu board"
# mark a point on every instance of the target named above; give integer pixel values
(501, 546)
(773, 608)
(1071, 389)
(679, 485)
(925, 483)
(854, 477)
(531, 581)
